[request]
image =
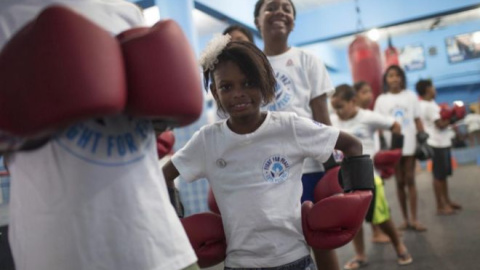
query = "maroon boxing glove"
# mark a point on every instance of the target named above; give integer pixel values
(336, 217)
(162, 74)
(165, 142)
(207, 237)
(58, 69)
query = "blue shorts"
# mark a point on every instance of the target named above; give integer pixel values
(309, 181)
(305, 263)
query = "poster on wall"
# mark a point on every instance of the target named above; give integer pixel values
(412, 57)
(463, 47)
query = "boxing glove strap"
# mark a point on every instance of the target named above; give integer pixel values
(356, 173)
(397, 141)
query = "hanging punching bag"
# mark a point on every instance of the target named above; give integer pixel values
(391, 55)
(366, 63)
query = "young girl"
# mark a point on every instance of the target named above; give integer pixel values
(253, 160)
(239, 33)
(363, 99)
(363, 124)
(404, 106)
(302, 87)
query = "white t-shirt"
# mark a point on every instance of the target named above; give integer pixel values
(472, 120)
(93, 197)
(429, 113)
(404, 107)
(300, 77)
(364, 126)
(256, 179)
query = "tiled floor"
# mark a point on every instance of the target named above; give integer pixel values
(451, 242)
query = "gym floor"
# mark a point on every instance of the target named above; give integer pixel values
(450, 243)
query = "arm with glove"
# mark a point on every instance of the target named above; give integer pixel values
(386, 159)
(204, 230)
(43, 88)
(343, 196)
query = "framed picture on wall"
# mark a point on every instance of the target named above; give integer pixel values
(463, 47)
(412, 57)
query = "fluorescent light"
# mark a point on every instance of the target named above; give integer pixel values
(374, 34)
(476, 37)
(458, 103)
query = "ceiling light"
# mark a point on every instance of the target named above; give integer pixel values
(476, 37)
(374, 34)
(459, 103)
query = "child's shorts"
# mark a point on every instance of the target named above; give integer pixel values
(309, 181)
(305, 263)
(379, 210)
(442, 163)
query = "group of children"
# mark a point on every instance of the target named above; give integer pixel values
(397, 110)
(302, 86)
(262, 161)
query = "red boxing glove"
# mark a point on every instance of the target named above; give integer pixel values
(387, 172)
(207, 237)
(387, 159)
(446, 113)
(162, 74)
(458, 112)
(336, 217)
(165, 142)
(57, 69)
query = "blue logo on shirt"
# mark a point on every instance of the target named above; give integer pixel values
(114, 141)
(275, 169)
(283, 92)
(400, 113)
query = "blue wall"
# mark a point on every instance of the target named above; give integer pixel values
(454, 81)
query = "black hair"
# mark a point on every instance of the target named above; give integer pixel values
(359, 85)
(422, 85)
(259, 4)
(240, 28)
(400, 72)
(252, 62)
(345, 92)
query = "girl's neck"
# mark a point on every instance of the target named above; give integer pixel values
(395, 91)
(355, 112)
(246, 125)
(274, 47)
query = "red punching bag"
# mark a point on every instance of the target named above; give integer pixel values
(366, 63)
(391, 55)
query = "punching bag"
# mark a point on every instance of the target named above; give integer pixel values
(366, 63)
(391, 55)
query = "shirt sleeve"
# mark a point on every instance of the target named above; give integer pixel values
(314, 139)
(190, 160)
(379, 121)
(319, 80)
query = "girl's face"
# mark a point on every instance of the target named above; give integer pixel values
(235, 93)
(276, 19)
(343, 108)
(364, 96)
(238, 36)
(394, 81)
